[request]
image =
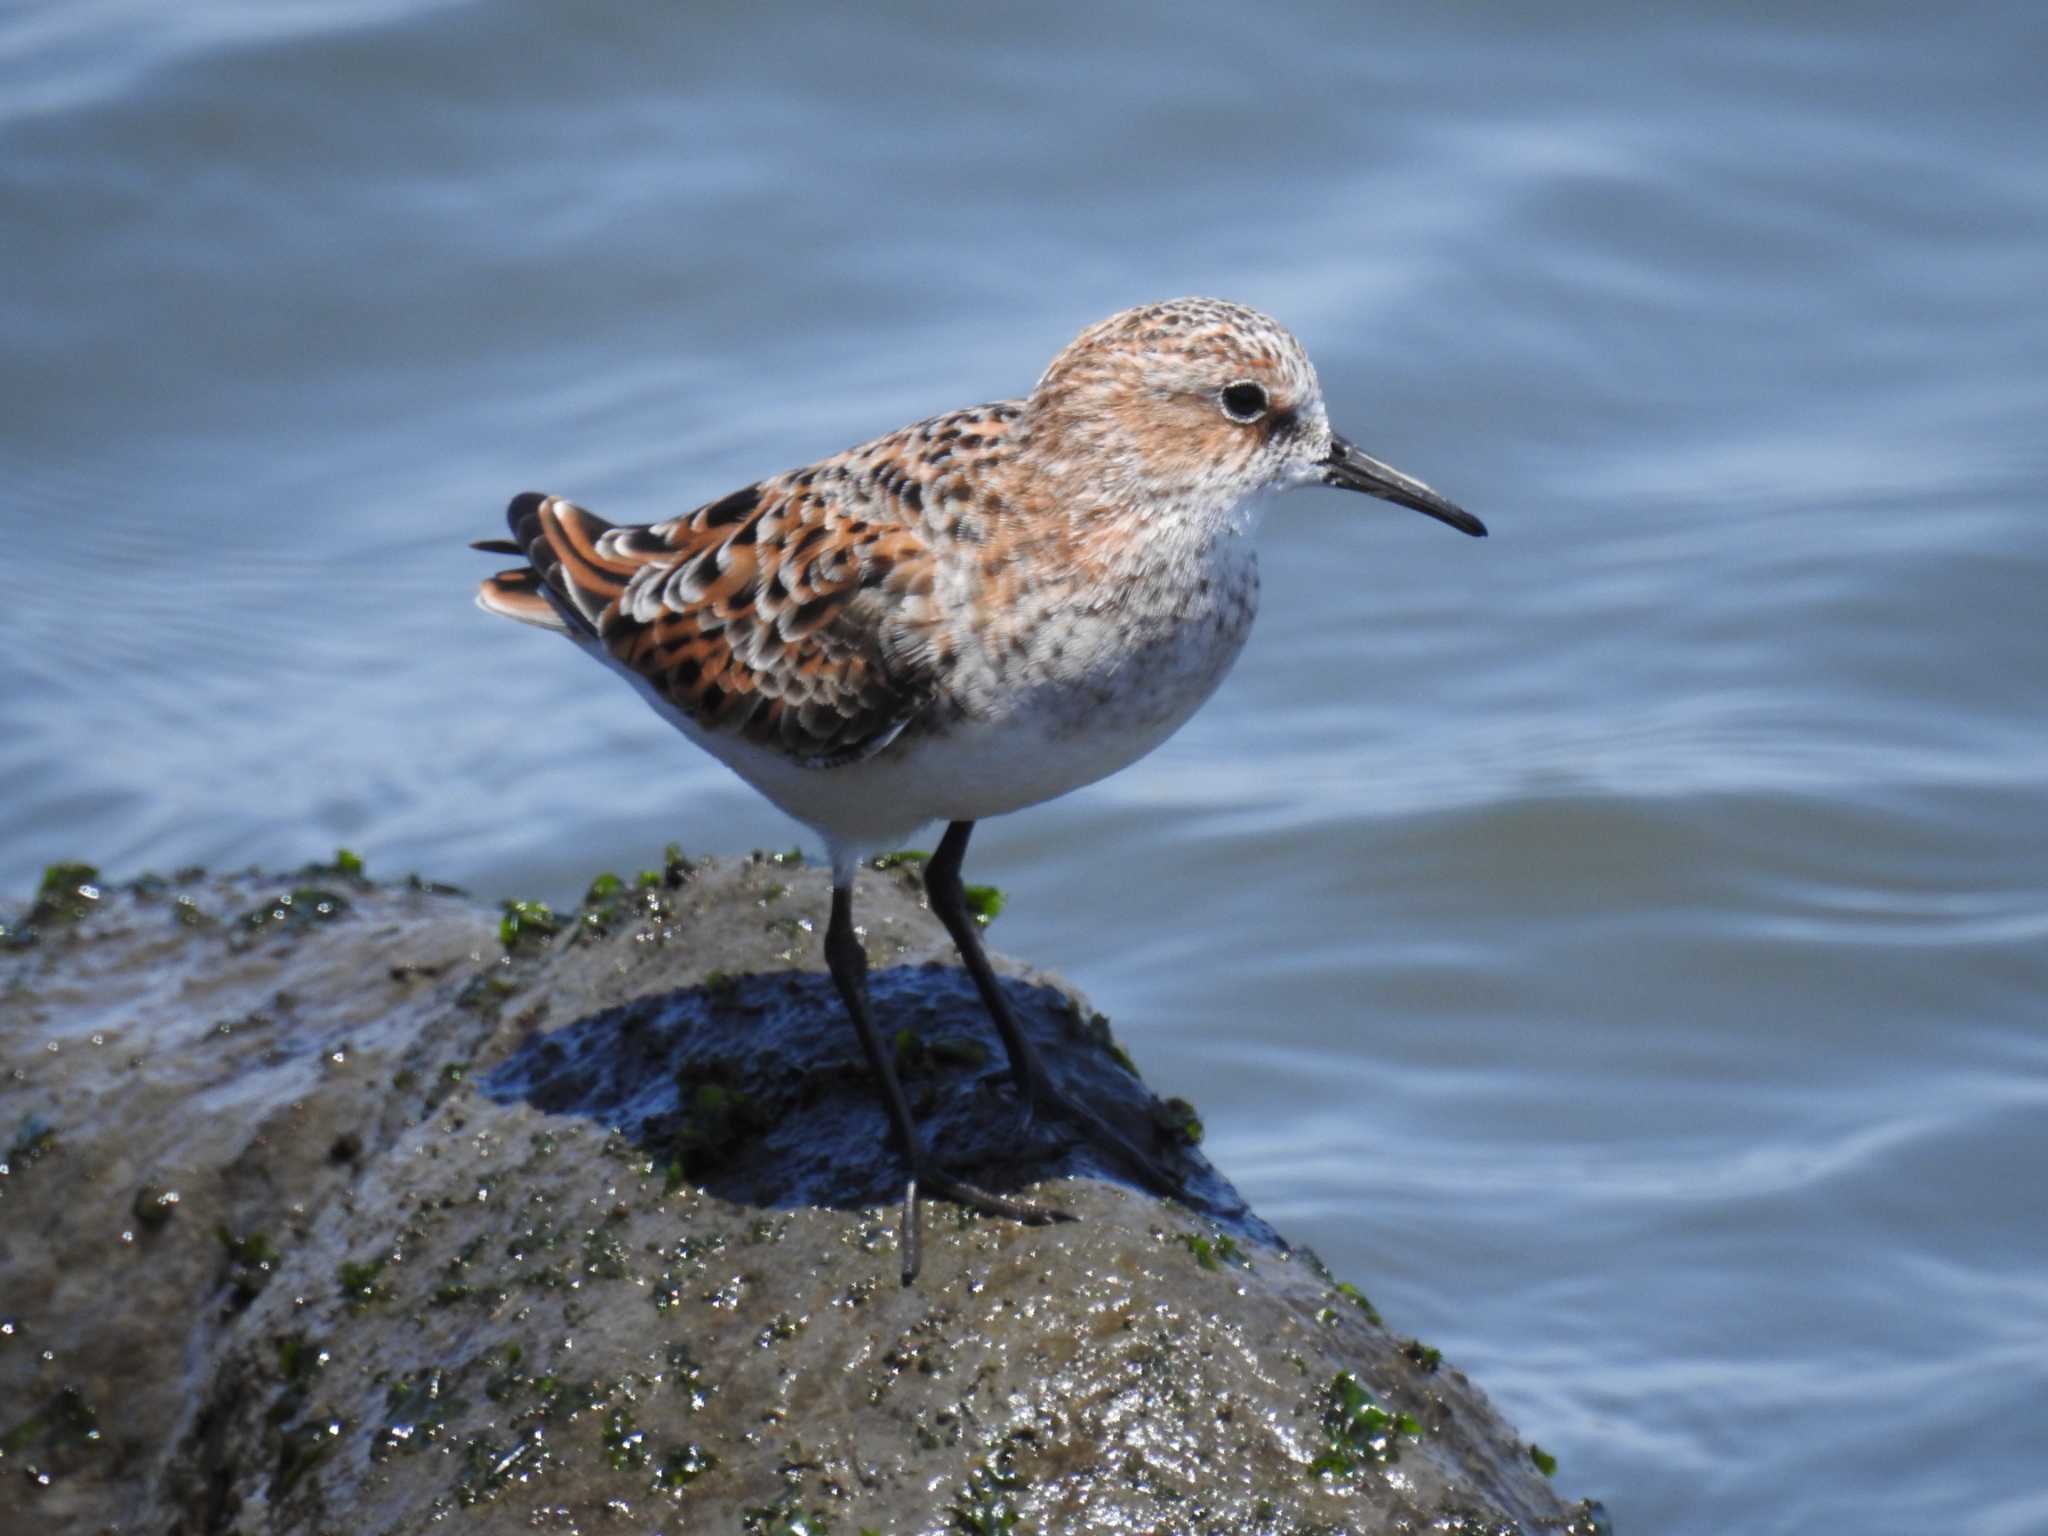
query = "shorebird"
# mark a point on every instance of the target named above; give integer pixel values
(971, 615)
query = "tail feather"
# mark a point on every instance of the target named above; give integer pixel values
(519, 595)
(570, 581)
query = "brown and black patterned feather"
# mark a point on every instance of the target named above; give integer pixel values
(773, 613)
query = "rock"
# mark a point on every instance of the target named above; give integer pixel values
(326, 1212)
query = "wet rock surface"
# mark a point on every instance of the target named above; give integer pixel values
(331, 1206)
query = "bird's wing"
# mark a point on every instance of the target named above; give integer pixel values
(779, 613)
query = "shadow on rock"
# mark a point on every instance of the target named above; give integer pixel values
(754, 1088)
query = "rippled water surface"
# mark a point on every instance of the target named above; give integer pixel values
(1620, 946)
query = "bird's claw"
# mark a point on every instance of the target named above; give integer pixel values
(1039, 1094)
(960, 1192)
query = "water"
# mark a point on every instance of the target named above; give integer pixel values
(1619, 946)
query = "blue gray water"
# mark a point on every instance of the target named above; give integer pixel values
(1620, 946)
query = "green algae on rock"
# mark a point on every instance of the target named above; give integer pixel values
(69, 891)
(526, 924)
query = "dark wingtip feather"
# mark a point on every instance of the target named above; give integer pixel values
(522, 511)
(496, 546)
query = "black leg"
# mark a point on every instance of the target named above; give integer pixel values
(948, 897)
(949, 900)
(849, 965)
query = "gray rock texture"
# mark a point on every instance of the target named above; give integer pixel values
(324, 1209)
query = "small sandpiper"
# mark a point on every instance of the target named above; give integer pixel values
(965, 617)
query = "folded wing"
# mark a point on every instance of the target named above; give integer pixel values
(776, 614)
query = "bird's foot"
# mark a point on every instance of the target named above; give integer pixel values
(960, 1192)
(1040, 1096)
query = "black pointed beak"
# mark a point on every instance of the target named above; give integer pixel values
(1348, 469)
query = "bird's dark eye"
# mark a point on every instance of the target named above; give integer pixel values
(1244, 401)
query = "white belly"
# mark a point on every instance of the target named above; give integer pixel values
(1094, 691)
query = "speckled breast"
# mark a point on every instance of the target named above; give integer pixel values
(1091, 686)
